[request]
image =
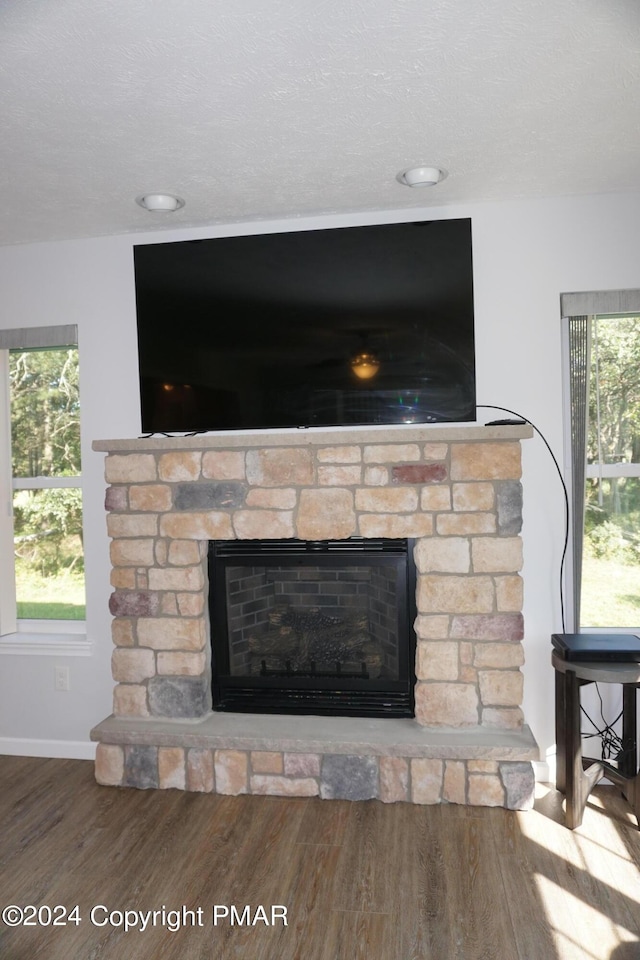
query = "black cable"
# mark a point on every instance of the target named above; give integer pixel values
(490, 406)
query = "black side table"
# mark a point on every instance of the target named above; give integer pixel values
(576, 776)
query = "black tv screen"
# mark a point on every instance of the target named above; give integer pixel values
(345, 326)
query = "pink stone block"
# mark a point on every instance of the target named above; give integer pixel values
(200, 775)
(109, 768)
(426, 781)
(171, 768)
(394, 779)
(231, 768)
(492, 627)
(485, 790)
(419, 473)
(283, 786)
(302, 764)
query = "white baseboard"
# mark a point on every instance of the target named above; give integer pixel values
(543, 772)
(59, 749)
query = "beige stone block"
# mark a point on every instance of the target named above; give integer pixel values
(130, 468)
(263, 524)
(171, 768)
(464, 524)
(446, 704)
(171, 633)
(395, 525)
(392, 453)
(341, 454)
(123, 578)
(231, 771)
(496, 554)
(279, 466)
(264, 761)
(509, 594)
(468, 497)
(283, 786)
(223, 465)
(122, 633)
(302, 764)
(142, 579)
(132, 525)
(441, 593)
(190, 604)
(132, 553)
(200, 775)
(432, 628)
(501, 688)
(376, 476)
(132, 665)
(181, 663)
(435, 451)
(468, 674)
(482, 766)
(176, 578)
(499, 656)
(486, 461)
(169, 605)
(443, 555)
(336, 475)
(150, 497)
(326, 514)
(455, 782)
(214, 525)
(466, 653)
(394, 779)
(503, 718)
(180, 465)
(436, 497)
(162, 552)
(426, 780)
(273, 498)
(437, 660)
(485, 791)
(109, 769)
(387, 500)
(130, 700)
(183, 553)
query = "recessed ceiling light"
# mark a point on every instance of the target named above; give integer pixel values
(159, 202)
(421, 176)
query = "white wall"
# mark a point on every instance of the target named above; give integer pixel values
(525, 255)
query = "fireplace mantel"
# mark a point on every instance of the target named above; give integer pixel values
(456, 490)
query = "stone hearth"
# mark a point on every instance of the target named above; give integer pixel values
(455, 489)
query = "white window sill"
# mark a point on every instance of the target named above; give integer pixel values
(47, 638)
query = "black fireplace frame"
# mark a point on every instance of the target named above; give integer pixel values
(314, 694)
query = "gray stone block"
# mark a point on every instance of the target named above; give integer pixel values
(509, 502)
(349, 778)
(209, 496)
(141, 767)
(178, 697)
(519, 785)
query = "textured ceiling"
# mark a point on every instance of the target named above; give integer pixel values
(276, 108)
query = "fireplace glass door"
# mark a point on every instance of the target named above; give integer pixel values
(314, 627)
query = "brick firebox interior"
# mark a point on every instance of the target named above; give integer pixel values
(456, 490)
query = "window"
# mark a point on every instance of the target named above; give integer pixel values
(604, 363)
(41, 535)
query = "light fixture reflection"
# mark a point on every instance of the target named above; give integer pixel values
(365, 365)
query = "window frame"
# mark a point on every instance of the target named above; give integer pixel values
(589, 304)
(21, 636)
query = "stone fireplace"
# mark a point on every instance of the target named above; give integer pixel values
(454, 490)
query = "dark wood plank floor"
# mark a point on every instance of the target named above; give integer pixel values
(359, 880)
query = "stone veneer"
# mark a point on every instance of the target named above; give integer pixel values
(455, 489)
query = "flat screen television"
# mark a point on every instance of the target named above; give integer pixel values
(343, 326)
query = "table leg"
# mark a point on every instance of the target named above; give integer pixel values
(561, 733)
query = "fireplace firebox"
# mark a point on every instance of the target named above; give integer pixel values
(313, 627)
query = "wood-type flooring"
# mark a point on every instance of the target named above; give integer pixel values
(358, 880)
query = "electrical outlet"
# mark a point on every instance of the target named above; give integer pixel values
(61, 678)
